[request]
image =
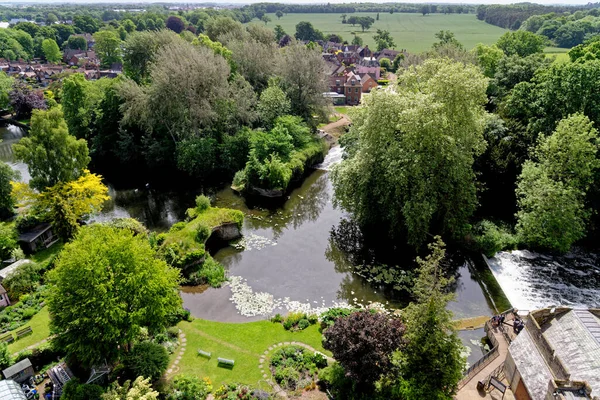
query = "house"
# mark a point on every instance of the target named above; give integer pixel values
(336, 83)
(368, 82)
(4, 300)
(5, 272)
(88, 38)
(369, 65)
(19, 372)
(11, 390)
(352, 89)
(556, 356)
(39, 238)
(388, 53)
(338, 99)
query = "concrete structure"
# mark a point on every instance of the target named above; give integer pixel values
(20, 371)
(10, 390)
(556, 356)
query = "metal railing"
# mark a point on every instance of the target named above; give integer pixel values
(483, 361)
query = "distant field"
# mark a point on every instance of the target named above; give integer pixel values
(413, 32)
(559, 53)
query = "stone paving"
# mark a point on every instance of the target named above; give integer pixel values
(173, 368)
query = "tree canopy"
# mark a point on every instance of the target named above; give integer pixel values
(410, 165)
(106, 285)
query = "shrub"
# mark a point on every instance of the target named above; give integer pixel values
(5, 357)
(239, 180)
(303, 324)
(189, 388)
(203, 233)
(147, 359)
(73, 390)
(328, 317)
(23, 223)
(277, 318)
(23, 280)
(173, 331)
(177, 227)
(202, 203)
(287, 377)
(319, 360)
(8, 240)
(129, 223)
(490, 238)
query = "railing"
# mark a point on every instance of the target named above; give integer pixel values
(483, 361)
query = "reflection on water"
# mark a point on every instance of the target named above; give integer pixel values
(472, 340)
(532, 280)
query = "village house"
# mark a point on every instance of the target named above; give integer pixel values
(353, 89)
(556, 356)
(388, 53)
(88, 38)
(369, 65)
(368, 82)
(38, 238)
(4, 300)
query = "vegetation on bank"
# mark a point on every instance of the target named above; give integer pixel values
(183, 246)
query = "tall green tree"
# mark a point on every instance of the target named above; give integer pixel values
(7, 203)
(139, 51)
(552, 187)
(6, 83)
(522, 43)
(488, 58)
(410, 160)
(106, 285)
(51, 51)
(108, 47)
(52, 155)
(273, 103)
(431, 364)
(384, 40)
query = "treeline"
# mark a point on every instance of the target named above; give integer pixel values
(511, 16)
(565, 30)
(259, 8)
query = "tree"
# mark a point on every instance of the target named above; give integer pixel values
(51, 19)
(256, 61)
(140, 390)
(377, 18)
(73, 390)
(511, 70)
(365, 22)
(188, 388)
(385, 63)
(488, 58)
(218, 27)
(8, 240)
(108, 47)
(431, 364)
(446, 38)
(175, 24)
(266, 19)
(272, 104)
(384, 40)
(303, 79)
(521, 43)
(140, 49)
(343, 17)
(552, 188)
(6, 83)
(362, 343)
(279, 32)
(148, 359)
(24, 99)
(397, 62)
(306, 31)
(107, 284)
(279, 14)
(7, 203)
(77, 43)
(51, 154)
(86, 24)
(5, 358)
(437, 113)
(357, 40)
(51, 51)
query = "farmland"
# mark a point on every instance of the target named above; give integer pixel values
(413, 32)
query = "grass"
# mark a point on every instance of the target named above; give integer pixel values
(244, 343)
(413, 32)
(559, 53)
(46, 255)
(341, 109)
(41, 330)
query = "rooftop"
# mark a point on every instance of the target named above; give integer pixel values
(12, 267)
(16, 368)
(34, 233)
(10, 390)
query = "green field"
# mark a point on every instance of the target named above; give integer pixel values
(413, 32)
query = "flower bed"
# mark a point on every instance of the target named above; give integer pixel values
(296, 368)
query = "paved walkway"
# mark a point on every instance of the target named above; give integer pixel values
(469, 391)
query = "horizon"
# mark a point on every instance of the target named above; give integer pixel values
(246, 2)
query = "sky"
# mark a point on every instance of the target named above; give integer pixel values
(237, 2)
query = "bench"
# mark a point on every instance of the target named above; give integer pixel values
(7, 339)
(225, 361)
(24, 332)
(204, 353)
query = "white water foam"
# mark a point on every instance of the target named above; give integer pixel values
(333, 157)
(532, 280)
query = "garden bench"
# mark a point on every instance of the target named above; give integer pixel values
(7, 339)
(206, 354)
(24, 332)
(225, 361)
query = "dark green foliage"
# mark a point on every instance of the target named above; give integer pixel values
(7, 203)
(211, 272)
(363, 343)
(74, 390)
(197, 156)
(5, 357)
(490, 238)
(329, 317)
(147, 359)
(521, 43)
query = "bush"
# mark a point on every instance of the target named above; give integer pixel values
(189, 388)
(490, 238)
(147, 359)
(177, 227)
(73, 390)
(298, 321)
(129, 223)
(328, 317)
(203, 233)
(239, 180)
(211, 272)
(23, 280)
(5, 357)
(303, 324)
(277, 318)
(23, 223)
(202, 203)
(287, 377)
(8, 240)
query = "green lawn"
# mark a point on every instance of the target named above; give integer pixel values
(244, 343)
(41, 330)
(559, 53)
(413, 32)
(341, 109)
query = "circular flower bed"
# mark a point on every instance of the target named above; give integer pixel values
(296, 368)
